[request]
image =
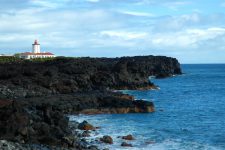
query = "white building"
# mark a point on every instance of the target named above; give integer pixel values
(36, 52)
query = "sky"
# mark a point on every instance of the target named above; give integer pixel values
(193, 31)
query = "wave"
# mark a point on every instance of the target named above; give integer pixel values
(168, 144)
(156, 141)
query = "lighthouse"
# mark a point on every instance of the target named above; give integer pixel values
(36, 52)
(36, 47)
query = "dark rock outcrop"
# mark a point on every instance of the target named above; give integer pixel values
(107, 139)
(92, 102)
(42, 126)
(68, 75)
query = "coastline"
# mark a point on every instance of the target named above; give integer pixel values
(42, 93)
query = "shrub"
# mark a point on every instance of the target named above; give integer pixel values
(42, 59)
(8, 59)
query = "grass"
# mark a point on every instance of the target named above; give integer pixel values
(12, 59)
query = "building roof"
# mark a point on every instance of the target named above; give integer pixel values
(29, 53)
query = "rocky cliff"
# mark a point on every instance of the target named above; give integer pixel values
(36, 95)
(69, 75)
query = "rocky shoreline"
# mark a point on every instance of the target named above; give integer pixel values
(35, 97)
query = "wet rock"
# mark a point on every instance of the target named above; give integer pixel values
(143, 106)
(93, 147)
(85, 126)
(69, 140)
(107, 139)
(86, 134)
(128, 97)
(128, 137)
(124, 144)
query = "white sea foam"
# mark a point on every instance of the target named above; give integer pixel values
(164, 145)
(141, 143)
(151, 77)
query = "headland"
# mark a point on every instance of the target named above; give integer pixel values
(37, 95)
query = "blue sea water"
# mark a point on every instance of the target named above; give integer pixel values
(190, 113)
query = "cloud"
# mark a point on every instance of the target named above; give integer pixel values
(186, 21)
(174, 5)
(123, 34)
(136, 13)
(93, 1)
(48, 3)
(189, 38)
(111, 28)
(172, 23)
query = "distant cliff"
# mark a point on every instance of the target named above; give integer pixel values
(69, 75)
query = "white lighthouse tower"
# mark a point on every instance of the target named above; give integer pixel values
(36, 47)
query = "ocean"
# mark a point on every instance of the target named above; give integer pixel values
(190, 114)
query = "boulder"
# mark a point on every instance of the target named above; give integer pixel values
(85, 126)
(126, 144)
(128, 137)
(107, 139)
